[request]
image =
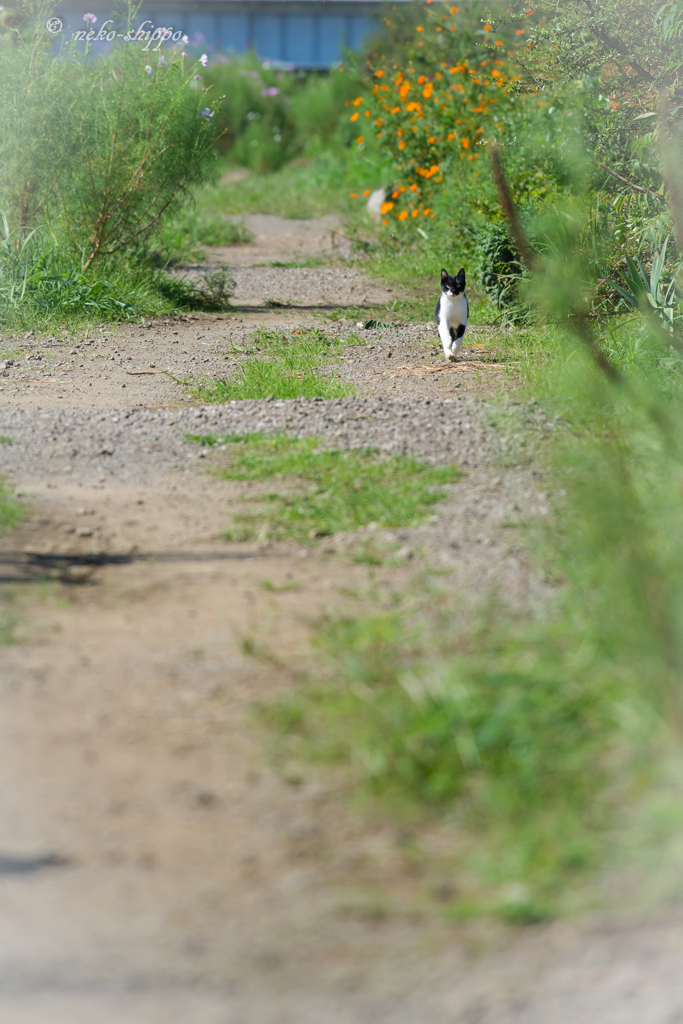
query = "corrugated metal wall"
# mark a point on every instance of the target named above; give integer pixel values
(304, 34)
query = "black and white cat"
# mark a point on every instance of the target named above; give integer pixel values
(451, 312)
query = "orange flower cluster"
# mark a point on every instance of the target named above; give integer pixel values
(433, 112)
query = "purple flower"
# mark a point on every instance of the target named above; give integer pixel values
(207, 113)
(272, 91)
(162, 63)
(186, 40)
(90, 18)
(203, 60)
(148, 69)
(255, 74)
(197, 76)
(183, 54)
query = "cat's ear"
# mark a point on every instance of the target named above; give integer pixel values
(460, 279)
(444, 276)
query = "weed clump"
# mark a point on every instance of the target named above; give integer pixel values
(324, 492)
(11, 512)
(281, 365)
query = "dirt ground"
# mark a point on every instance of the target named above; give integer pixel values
(157, 865)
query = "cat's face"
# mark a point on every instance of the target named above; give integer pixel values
(453, 285)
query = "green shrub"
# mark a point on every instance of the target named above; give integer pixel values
(269, 115)
(497, 264)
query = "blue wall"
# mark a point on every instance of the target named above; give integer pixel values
(314, 40)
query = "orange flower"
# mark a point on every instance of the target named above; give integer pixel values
(451, 135)
(379, 73)
(431, 139)
(399, 78)
(498, 42)
(378, 122)
(487, 28)
(401, 144)
(403, 214)
(359, 139)
(414, 213)
(495, 74)
(428, 210)
(353, 195)
(419, 28)
(404, 90)
(385, 207)
(413, 188)
(454, 10)
(421, 79)
(395, 110)
(519, 31)
(385, 222)
(367, 192)
(428, 90)
(357, 101)
(354, 117)
(465, 143)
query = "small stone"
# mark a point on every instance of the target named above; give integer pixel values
(84, 531)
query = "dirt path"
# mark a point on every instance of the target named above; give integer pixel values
(155, 864)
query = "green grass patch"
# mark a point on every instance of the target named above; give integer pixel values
(182, 239)
(323, 492)
(302, 189)
(492, 728)
(297, 364)
(11, 512)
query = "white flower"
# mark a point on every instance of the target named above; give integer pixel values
(90, 18)
(186, 40)
(203, 60)
(148, 69)
(161, 63)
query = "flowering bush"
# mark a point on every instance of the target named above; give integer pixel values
(441, 100)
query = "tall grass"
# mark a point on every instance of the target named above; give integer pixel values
(94, 155)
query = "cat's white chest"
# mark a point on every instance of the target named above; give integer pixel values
(453, 309)
(452, 319)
